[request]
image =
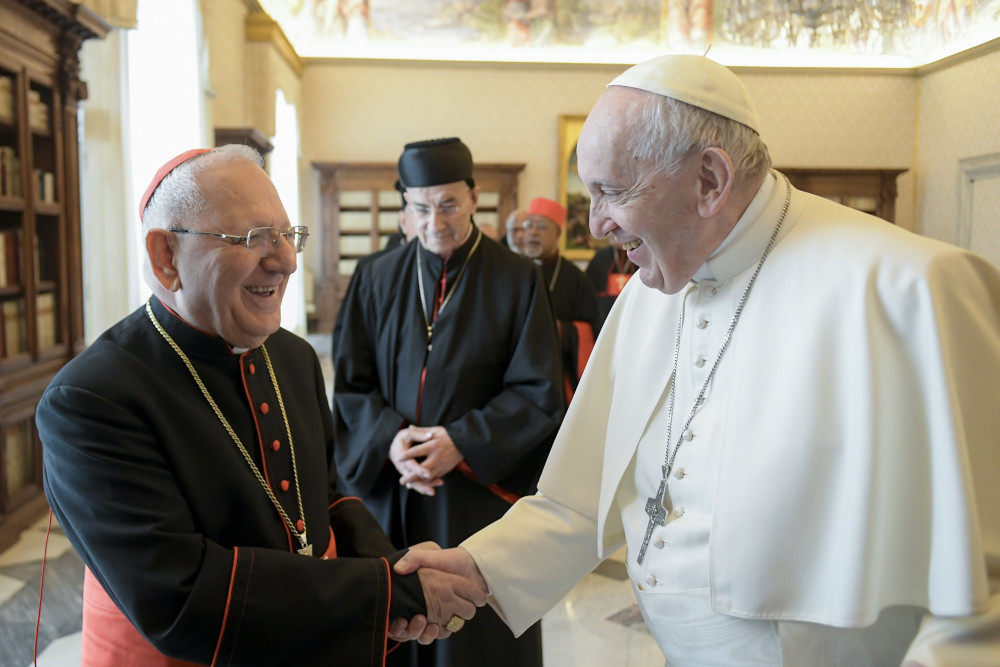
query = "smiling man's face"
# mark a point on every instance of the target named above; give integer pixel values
(224, 288)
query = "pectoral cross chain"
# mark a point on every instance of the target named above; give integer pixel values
(656, 511)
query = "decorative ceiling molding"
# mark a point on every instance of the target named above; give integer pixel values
(117, 13)
(262, 28)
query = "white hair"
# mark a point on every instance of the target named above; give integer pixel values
(667, 131)
(179, 199)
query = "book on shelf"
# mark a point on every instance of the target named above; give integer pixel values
(10, 241)
(38, 111)
(10, 172)
(48, 187)
(12, 320)
(6, 99)
(45, 186)
(45, 317)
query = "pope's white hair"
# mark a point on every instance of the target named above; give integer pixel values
(179, 200)
(666, 131)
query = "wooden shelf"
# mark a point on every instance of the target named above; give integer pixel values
(869, 190)
(41, 317)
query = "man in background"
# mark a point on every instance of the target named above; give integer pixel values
(790, 420)
(515, 232)
(574, 300)
(447, 389)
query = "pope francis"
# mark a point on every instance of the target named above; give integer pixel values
(790, 422)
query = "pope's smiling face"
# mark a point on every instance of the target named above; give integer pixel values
(442, 215)
(224, 288)
(652, 215)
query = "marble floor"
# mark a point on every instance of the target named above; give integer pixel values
(597, 624)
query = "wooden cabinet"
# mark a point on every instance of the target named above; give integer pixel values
(359, 211)
(870, 190)
(41, 303)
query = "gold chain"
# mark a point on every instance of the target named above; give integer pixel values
(429, 322)
(229, 429)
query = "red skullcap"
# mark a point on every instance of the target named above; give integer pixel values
(162, 173)
(550, 209)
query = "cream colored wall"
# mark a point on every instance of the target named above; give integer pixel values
(841, 121)
(225, 33)
(244, 75)
(958, 119)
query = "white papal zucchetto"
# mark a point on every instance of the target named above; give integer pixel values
(697, 81)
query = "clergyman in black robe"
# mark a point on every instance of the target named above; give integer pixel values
(188, 454)
(574, 300)
(448, 349)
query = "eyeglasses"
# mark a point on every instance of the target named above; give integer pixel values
(260, 238)
(447, 209)
(540, 225)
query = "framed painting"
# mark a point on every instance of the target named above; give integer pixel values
(576, 242)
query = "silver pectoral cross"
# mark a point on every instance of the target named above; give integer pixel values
(656, 511)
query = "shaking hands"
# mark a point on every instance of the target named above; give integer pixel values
(453, 589)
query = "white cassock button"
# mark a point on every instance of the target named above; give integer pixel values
(679, 473)
(658, 543)
(711, 291)
(679, 512)
(699, 362)
(689, 435)
(651, 580)
(701, 323)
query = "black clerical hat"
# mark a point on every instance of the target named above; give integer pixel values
(435, 162)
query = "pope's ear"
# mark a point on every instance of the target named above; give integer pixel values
(162, 256)
(715, 181)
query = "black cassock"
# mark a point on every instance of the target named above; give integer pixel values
(573, 300)
(493, 381)
(159, 502)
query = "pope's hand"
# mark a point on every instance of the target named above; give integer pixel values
(455, 562)
(447, 594)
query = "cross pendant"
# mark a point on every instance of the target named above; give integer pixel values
(657, 513)
(307, 549)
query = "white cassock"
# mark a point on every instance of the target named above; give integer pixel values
(841, 478)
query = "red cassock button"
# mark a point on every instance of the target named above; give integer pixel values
(300, 525)
(284, 485)
(264, 408)
(275, 445)
(253, 369)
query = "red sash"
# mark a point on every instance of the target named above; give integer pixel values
(109, 638)
(616, 283)
(585, 346)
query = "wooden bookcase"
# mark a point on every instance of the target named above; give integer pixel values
(870, 190)
(359, 211)
(41, 302)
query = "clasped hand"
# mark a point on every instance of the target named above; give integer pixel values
(451, 588)
(423, 456)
